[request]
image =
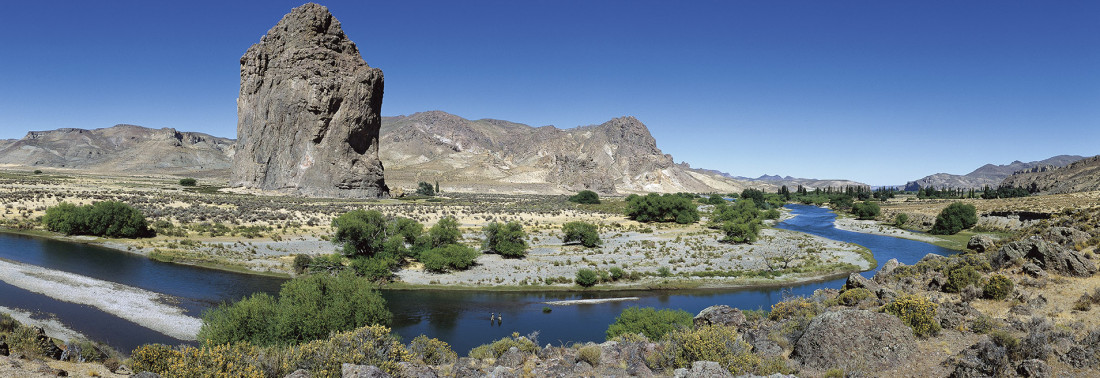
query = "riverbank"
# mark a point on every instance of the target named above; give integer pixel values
(142, 307)
(873, 227)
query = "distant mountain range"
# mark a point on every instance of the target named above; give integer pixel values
(989, 174)
(1079, 176)
(790, 182)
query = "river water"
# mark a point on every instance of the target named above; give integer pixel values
(459, 317)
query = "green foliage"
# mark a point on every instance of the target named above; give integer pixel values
(301, 263)
(368, 233)
(917, 312)
(900, 219)
(425, 189)
(648, 321)
(771, 214)
(866, 210)
(505, 239)
(757, 197)
(188, 182)
(715, 199)
(445, 232)
(432, 351)
(37, 171)
(585, 233)
(998, 287)
(740, 223)
(497, 348)
(590, 354)
(587, 277)
(107, 218)
(664, 271)
(711, 343)
(327, 263)
(959, 277)
(308, 308)
(375, 268)
(661, 208)
(616, 273)
(450, 256)
(954, 218)
(794, 308)
(852, 297)
(585, 197)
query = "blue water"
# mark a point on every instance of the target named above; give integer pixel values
(459, 317)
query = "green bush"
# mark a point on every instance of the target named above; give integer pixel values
(308, 308)
(917, 312)
(959, 277)
(617, 273)
(900, 219)
(111, 219)
(505, 239)
(740, 222)
(954, 218)
(378, 268)
(771, 214)
(852, 297)
(664, 271)
(710, 343)
(998, 287)
(586, 197)
(661, 208)
(432, 351)
(587, 277)
(590, 354)
(580, 232)
(188, 182)
(301, 263)
(649, 321)
(866, 210)
(425, 189)
(451, 256)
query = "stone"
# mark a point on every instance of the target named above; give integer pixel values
(1034, 270)
(980, 243)
(513, 358)
(847, 338)
(1046, 255)
(983, 359)
(309, 112)
(761, 344)
(416, 370)
(49, 349)
(300, 373)
(719, 315)
(502, 372)
(362, 371)
(1033, 368)
(1066, 237)
(886, 270)
(4, 349)
(702, 369)
(856, 280)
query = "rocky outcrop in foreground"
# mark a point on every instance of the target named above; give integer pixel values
(309, 111)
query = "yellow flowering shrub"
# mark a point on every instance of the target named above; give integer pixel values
(590, 354)
(152, 358)
(370, 345)
(793, 308)
(710, 343)
(432, 351)
(218, 361)
(852, 297)
(916, 311)
(497, 348)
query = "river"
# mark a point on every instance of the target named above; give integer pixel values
(459, 317)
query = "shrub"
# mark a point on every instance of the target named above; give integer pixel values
(710, 343)
(852, 297)
(900, 220)
(301, 263)
(954, 218)
(917, 312)
(664, 271)
(188, 182)
(866, 210)
(505, 239)
(112, 364)
(425, 189)
(648, 321)
(983, 324)
(793, 308)
(226, 360)
(37, 171)
(1084, 303)
(451, 256)
(661, 208)
(590, 354)
(998, 287)
(432, 351)
(959, 277)
(616, 273)
(308, 308)
(586, 197)
(152, 358)
(111, 219)
(497, 348)
(587, 277)
(741, 222)
(771, 214)
(580, 232)
(371, 345)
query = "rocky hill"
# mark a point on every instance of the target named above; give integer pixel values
(988, 174)
(618, 156)
(122, 148)
(775, 181)
(1080, 176)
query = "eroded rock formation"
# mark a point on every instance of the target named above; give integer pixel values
(309, 110)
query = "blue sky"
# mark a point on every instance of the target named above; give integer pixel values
(879, 92)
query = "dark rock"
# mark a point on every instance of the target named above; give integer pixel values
(1034, 270)
(502, 372)
(300, 373)
(309, 111)
(1047, 255)
(513, 358)
(362, 371)
(952, 315)
(4, 349)
(838, 339)
(1066, 237)
(885, 294)
(761, 344)
(702, 369)
(856, 280)
(719, 315)
(983, 359)
(980, 243)
(886, 270)
(49, 349)
(1079, 357)
(937, 282)
(1033, 368)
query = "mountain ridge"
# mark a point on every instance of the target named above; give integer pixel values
(1080, 176)
(988, 174)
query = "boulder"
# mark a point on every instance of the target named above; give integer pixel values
(1066, 237)
(300, 373)
(886, 270)
(49, 349)
(1046, 255)
(856, 280)
(502, 372)
(415, 370)
(983, 359)
(512, 358)
(309, 111)
(719, 315)
(1033, 368)
(839, 339)
(702, 369)
(362, 371)
(980, 243)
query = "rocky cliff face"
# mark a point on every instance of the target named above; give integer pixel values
(619, 155)
(988, 174)
(1081, 176)
(122, 148)
(309, 111)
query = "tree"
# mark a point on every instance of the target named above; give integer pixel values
(954, 218)
(505, 239)
(661, 208)
(900, 219)
(649, 321)
(587, 277)
(361, 232)
(445, 232)
(188, 182)
(585, 197)
(866, 210)
(755, 195)
(582, 232)
(111, 219)
(425, 189)
(740, 222)
(451, 256)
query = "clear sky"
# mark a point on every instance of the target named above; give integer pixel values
(876, 91)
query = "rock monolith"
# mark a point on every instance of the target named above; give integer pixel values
(309, 111)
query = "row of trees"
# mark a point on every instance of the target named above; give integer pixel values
(111, 219)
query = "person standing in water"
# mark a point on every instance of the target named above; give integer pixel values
(492, 318)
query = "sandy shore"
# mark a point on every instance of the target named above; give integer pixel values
(136, 305)
(52, 327)
(875, 228)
